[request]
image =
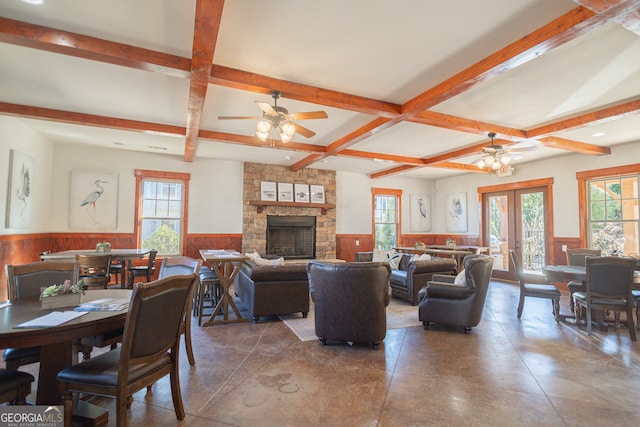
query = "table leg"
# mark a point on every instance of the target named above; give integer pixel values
(226, 274)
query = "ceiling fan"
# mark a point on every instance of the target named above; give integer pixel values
(495, 156)
(276, 117)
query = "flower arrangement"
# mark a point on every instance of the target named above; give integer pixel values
(65, 288)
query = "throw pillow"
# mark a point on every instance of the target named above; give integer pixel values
(380, 255)
(394, 260)
(277, 261)
(254, 256)
(460, 279)
(424, 257)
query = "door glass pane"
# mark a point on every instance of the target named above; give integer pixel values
(499, 231)
(533, 232)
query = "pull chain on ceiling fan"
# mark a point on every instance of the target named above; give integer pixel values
(277, 117)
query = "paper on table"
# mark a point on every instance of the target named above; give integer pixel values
(54, 318)
(104, 304)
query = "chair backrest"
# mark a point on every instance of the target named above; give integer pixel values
(172, 266)
(25, 280)
(94, 270)
(350, 299)
(517, 266)
(154, 320)
(577, 256)
(152, 261)
(610, 276)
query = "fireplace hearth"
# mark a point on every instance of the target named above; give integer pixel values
(291, 237)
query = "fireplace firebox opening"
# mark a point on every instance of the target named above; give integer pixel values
(291, 237)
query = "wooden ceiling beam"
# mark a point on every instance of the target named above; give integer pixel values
(445, 121)
(630, 21)
(347, 141)
(70, 117)
(80, 46)
(604, 115)
(205, 34)
(252, 82)
(575, 146)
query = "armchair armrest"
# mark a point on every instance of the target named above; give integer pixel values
(445, 278)
(447, 290)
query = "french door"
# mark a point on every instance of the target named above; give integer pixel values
(517, 219)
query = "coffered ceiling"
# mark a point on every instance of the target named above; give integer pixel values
(410, 87)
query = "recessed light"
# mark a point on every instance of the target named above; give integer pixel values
(156, 147)
(118, 143)
(287, 157)
(33, 1)
(597, 134)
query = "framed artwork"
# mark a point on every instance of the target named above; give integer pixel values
(420, 213)
(285, 192)
(302, 192)
(19, 197)
(268, 191)
(317, 193)
(93, 200)
(456, 205)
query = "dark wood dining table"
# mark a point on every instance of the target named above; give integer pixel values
(56, 342)
(125, 256)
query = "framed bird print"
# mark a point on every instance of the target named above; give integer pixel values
(420, 213)
(19, 197)
(93, 200)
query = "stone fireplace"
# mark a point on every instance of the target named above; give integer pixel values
(255, 215)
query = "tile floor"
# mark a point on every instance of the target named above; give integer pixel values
(507, 372)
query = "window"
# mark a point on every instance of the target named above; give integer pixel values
(612, 214)
(386, 217)
(161, 211)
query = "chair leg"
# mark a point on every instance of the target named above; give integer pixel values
(556, 309)
(588, 319)
(67, 401)
(121, 410)
(176, 395)
(571, 303)
(630, 325)
(520, 305)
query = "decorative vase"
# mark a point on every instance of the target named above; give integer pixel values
(58, 301)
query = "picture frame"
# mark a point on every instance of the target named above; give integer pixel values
(19, 193)
(317, 193)
(285, 192)
(93, 200)
(301, 193)
(420, 213)
(268, 191)
(456, 215)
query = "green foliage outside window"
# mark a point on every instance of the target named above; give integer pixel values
(165, 240)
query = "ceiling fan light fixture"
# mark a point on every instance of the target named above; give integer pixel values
(481, 164)
(495, 166)
(489, 161)
(263, 125)
(287, 129)
(262, 136)
(505, 159)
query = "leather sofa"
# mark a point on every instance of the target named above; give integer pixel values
(350, 300)
(270, 290)
(411, 276)
(448, 303)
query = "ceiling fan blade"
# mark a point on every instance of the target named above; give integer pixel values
(267, 108)
(520, 149)
(304, 131)
(308, 115)
(237, 117)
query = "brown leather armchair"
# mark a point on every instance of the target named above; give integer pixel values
(350, 300)
(457, 305)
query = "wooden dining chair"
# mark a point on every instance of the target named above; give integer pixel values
(535, 290)
(609, 287)
(25, 281)
(172, 266)
(578, 256)
(15, 386)
(142, 270)
(149, 350)
(94, 270)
